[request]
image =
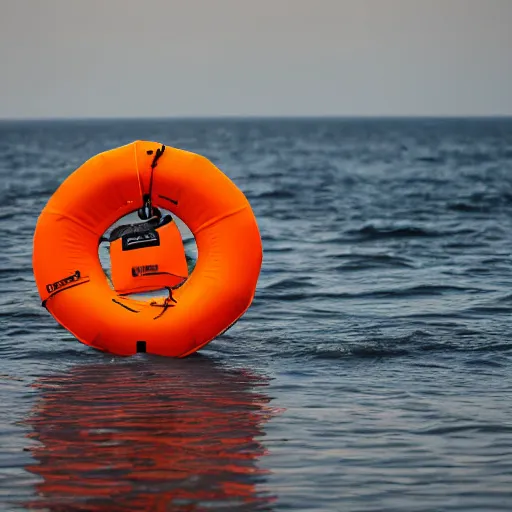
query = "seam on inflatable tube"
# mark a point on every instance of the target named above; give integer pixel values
(72, 219)
(137, 169)
(221, 217)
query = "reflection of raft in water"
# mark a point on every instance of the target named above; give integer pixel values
(147, 176)
(157, 436)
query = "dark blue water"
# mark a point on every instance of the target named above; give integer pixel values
(372, 373)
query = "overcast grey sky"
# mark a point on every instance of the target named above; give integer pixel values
(103, 58)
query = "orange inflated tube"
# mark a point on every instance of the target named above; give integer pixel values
(71, 281)
(148, 261)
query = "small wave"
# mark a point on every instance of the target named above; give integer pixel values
(279, 249)
(497, 347)
(361, 352)
(488, 310)
(23, 313)
(484, 363)
(482, 202)
(488, 428)
(11, 196)
(276, 194)
(49, 354)
(467, 207)
(358, 261)
(475, 157)
(430, 159)
(504, 299)
(290, 283)
(416, 345)
(8, 212)
(372, 232)
(419, 290)
(383, 347)
(12, 270)
(411, 291)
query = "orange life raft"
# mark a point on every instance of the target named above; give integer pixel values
(68, 272)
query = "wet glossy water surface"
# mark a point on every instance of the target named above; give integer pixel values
(372, 372)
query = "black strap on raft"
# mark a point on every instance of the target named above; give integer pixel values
(133, 229)
(126, 230)
(147, 211)
(166, 304)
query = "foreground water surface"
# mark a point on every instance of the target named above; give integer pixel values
(372, 373)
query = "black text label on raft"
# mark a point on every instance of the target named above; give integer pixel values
(140, 240)
(50, 288)
(143, 270)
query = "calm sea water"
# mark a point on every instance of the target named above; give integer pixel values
(372, 373)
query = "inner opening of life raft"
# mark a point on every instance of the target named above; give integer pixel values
(142, 260)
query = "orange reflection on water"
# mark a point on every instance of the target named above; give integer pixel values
(150, 435)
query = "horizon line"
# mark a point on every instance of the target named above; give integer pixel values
(258, 117)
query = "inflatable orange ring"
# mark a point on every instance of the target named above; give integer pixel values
(72, 283)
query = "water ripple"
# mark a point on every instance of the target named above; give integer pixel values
(380, 330)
